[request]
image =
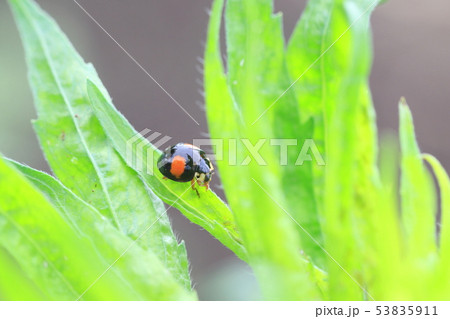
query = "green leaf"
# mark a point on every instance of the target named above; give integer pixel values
(418, 202)
(73, 252)
(306, 69)
(14, 283)
(77, 147)
(208, 210)
(329, 58)
(384, 262)
(444, 185)
(442, 276)
(257, 200)
(258, 79)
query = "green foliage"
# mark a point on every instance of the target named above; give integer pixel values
(80, 155)
(329, 53)
(14, 282)
(64, 244)
(257, 214)
(74, 143)
(317, 87)
(208, 211)
(341, 231)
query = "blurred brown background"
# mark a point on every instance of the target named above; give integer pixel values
(412, 59)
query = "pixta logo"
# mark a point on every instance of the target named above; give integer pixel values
(142, 148)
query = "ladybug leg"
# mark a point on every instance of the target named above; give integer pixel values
(194, 188)
(165, 177)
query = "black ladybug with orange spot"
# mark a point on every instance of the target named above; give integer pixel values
(186, 162)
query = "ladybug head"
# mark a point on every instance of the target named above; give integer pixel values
(203, 177)
(204, 172)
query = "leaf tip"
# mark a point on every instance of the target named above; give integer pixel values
(404, 111)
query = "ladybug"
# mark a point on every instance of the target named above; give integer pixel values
(185, 162)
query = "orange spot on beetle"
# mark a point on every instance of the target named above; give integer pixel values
(177, 167)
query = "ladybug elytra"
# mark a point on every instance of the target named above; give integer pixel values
(185, 162)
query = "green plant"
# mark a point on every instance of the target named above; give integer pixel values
(332, 232)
